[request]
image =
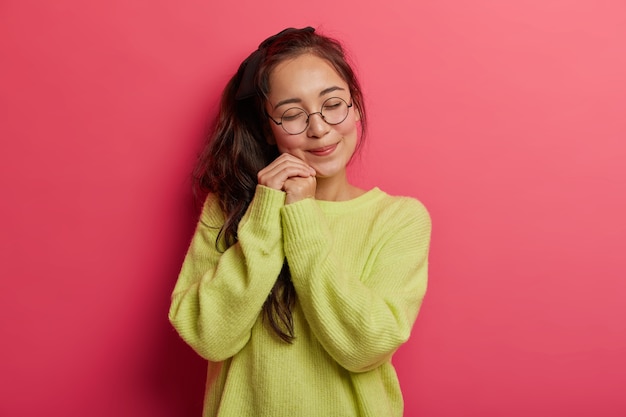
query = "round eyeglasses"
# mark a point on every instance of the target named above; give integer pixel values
(295, 120)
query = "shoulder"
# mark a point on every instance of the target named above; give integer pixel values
(399, 208)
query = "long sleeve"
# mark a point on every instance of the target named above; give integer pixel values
(360, 281)
(219, 295)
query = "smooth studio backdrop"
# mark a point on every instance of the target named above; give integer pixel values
(507, 119)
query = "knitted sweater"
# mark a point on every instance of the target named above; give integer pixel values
(359, 268)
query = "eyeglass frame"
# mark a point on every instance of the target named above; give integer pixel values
(308, 115)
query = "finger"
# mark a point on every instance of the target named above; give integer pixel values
(275, 174)
(289, 157)
(288, 168)
(299, 188)
(285, 161)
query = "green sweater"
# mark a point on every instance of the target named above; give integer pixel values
(359, 268)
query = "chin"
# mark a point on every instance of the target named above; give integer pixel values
(328, 173)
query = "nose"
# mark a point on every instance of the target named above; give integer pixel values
(317, 127)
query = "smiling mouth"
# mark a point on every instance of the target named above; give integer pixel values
(324, 150)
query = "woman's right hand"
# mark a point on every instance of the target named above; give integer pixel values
(290, 174)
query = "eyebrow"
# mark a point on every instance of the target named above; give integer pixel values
(298, 100)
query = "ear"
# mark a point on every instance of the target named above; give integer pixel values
(357, 114)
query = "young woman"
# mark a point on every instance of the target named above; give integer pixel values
(298, 286)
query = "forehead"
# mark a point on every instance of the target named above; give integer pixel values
(303, 76)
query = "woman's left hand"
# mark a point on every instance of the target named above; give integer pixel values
(299, 188)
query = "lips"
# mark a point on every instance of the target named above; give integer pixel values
(326, 150)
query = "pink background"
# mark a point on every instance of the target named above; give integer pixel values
(506, 118)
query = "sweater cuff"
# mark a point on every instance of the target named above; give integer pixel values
(302, 221)
(264, 208)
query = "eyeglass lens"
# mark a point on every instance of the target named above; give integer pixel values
(334, 111)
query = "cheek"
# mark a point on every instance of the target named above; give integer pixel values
(283, 141)
(348, 127)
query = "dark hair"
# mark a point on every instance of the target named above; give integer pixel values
(238, 148)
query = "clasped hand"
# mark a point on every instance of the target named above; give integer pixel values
(291, 175)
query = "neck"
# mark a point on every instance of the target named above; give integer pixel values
(336, 189)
